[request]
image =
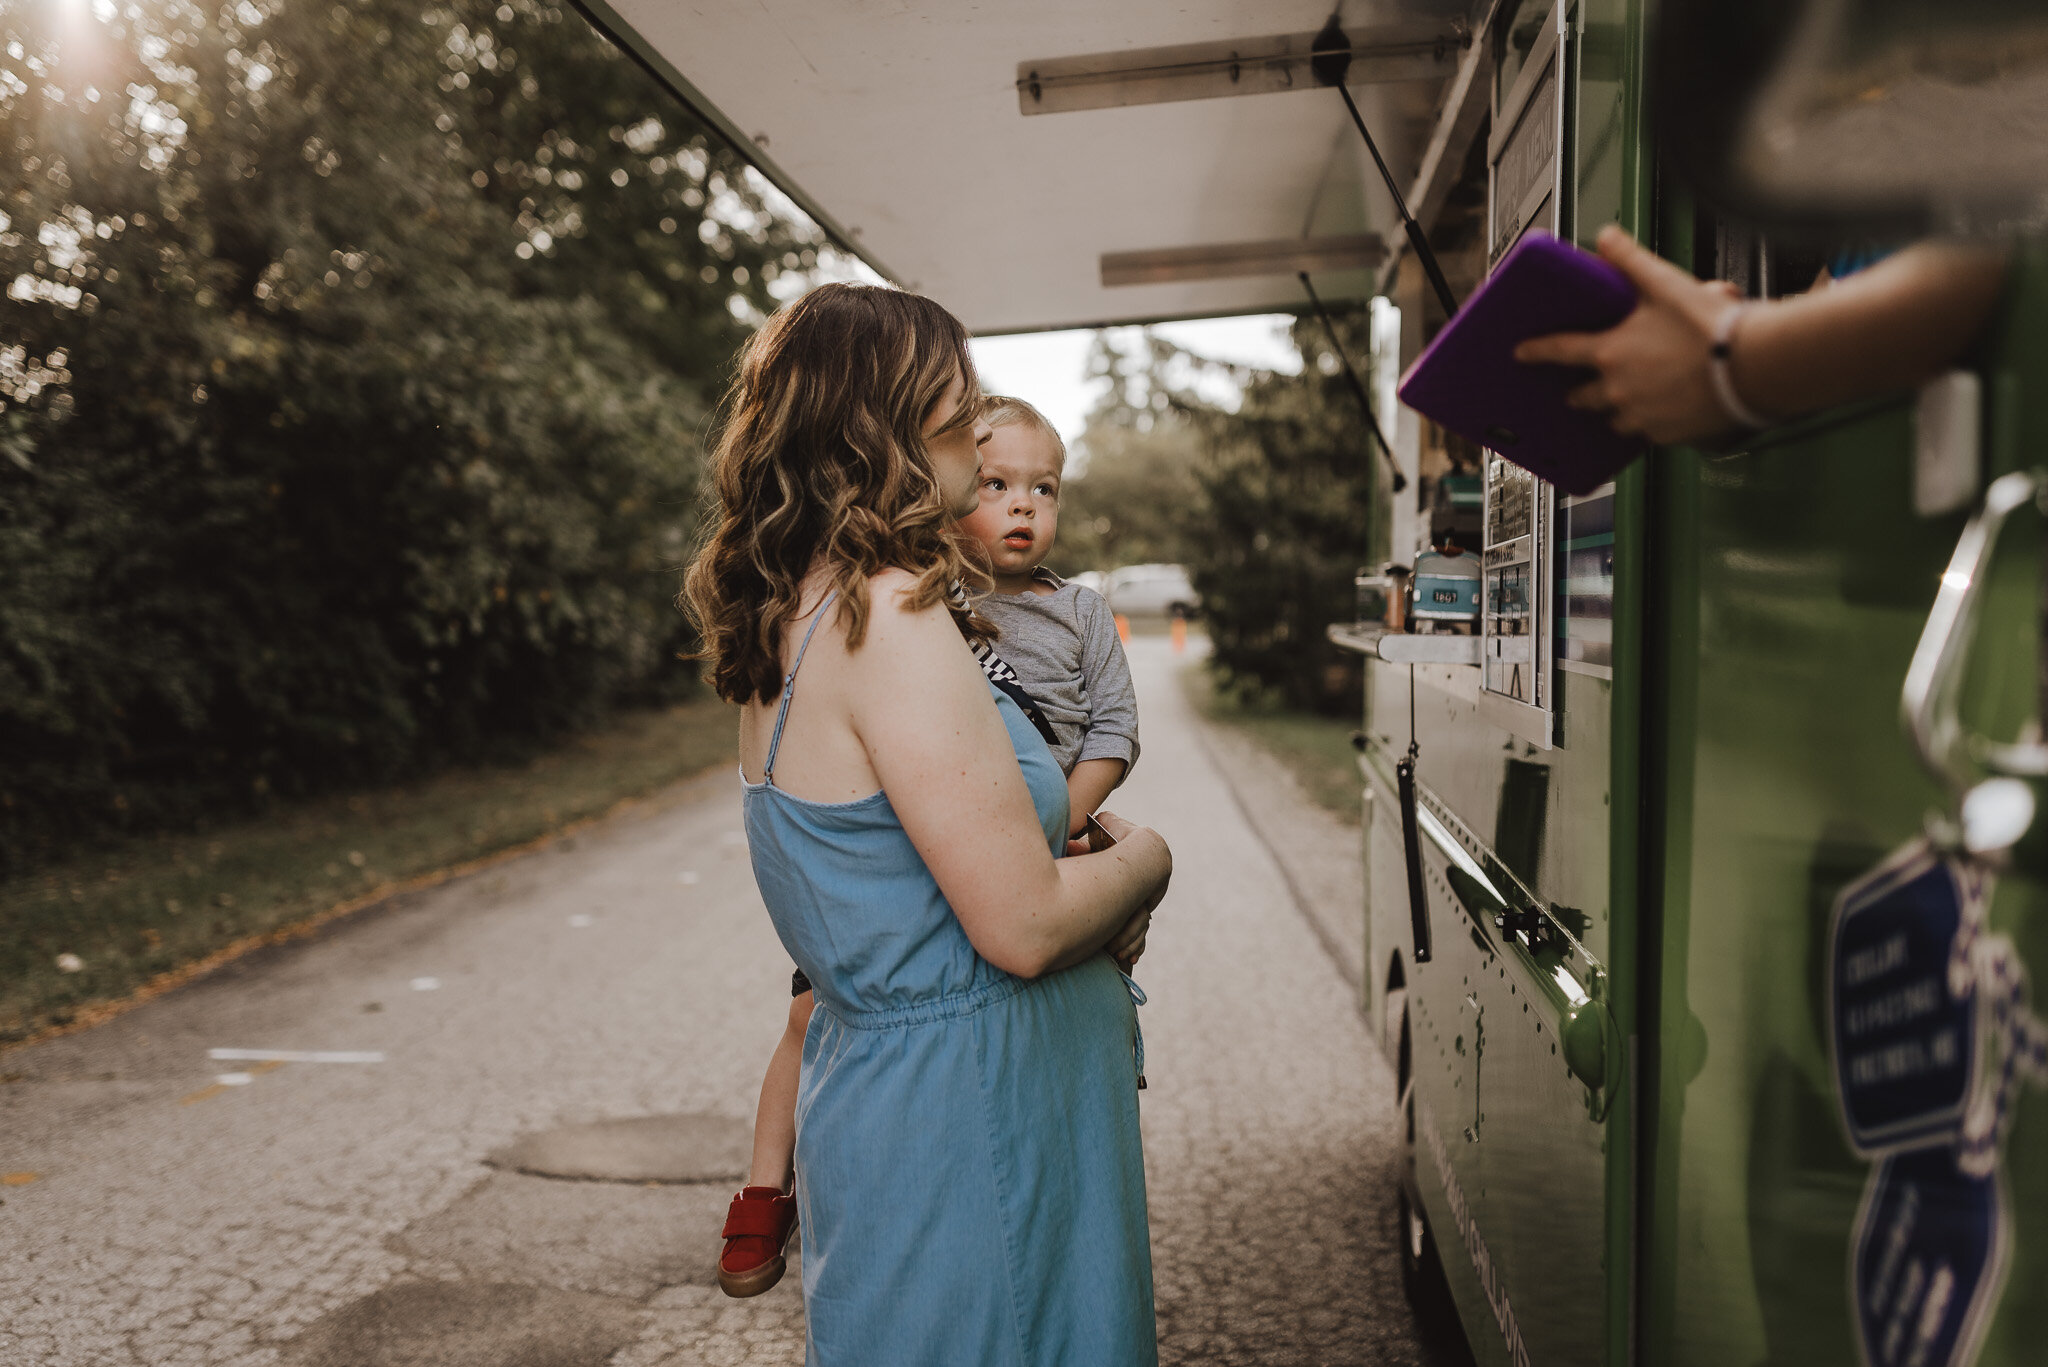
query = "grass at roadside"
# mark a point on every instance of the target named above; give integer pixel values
(1317, 750)
(138, 910)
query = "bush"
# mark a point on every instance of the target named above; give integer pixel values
(349, 411)
(1129, 503)
(1286, 526)
(1275, 518)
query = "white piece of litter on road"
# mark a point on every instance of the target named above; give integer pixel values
(70, 963)
(687, 876)
(297, 1055)
(425, 984)
(579, 920)
(235, 1079)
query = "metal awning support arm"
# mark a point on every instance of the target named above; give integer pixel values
(1402, 50)
(1332, 58)
(1357, 385)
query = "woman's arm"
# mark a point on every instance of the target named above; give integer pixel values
(1884, 329)
(922, 712)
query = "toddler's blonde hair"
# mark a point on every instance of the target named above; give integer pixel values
(1000, 410)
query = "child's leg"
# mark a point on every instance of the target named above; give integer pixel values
(775, 1121)
(758, 1223)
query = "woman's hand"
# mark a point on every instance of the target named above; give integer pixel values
(1117, 827)
(1129, 941)
(1652, 379)
(1129, 945)
(1883, 330)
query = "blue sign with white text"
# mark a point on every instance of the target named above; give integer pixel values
(1929, 1260)
(1904, 1045)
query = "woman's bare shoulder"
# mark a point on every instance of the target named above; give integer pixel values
(892, 604)
(889, 585)
(904, 640)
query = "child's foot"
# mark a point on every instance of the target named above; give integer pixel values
(757, 1225)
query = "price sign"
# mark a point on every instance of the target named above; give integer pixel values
(1929, 1260)
(1904, 1042)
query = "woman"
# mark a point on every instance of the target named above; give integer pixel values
(969, 1178)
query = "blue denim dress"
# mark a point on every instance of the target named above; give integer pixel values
(970, 1185)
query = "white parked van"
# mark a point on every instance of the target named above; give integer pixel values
(1151, 590)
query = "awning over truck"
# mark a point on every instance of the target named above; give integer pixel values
(1064, 163)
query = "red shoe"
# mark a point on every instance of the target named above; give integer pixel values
(757, 1226)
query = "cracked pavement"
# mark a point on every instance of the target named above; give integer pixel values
(330, 1213)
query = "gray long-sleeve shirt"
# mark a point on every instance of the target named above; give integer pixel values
(1064, 647)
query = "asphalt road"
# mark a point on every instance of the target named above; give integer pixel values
(189, 1209)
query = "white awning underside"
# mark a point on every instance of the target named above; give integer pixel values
(899, 126)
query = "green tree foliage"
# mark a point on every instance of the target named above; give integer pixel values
(1131, 506)
(352, 363)
(1277, 521)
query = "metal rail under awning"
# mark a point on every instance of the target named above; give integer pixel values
(898, 128)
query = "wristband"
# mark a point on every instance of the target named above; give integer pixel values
(1731, 403)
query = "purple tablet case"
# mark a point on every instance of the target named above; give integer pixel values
(1469, 380)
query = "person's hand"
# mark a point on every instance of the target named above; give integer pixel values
(1128, 944)
(1652, 379)
(1118, 828)
(1088, 836)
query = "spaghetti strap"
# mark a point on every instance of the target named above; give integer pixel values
(789, 689)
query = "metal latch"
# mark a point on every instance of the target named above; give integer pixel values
(1988, 814)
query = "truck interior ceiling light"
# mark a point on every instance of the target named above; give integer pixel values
(1227, 260)
(1413, 51)
(1331, 65)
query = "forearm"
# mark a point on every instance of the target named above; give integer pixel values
(1882, 330)
(1091, 783)
(1098, 894)
(1086, 902)
(1886, 329)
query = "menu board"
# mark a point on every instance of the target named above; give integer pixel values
(1519, 627)
(1515, 652)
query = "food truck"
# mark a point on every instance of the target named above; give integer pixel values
(1702, 871)
(1712, 1035)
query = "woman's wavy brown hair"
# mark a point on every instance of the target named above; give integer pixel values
(822, 453)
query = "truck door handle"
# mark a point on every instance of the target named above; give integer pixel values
(1994, 813)
(1411, 846)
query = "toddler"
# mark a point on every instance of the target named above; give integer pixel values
(1058, 656)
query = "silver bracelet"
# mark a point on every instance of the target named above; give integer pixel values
(1731, 403)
